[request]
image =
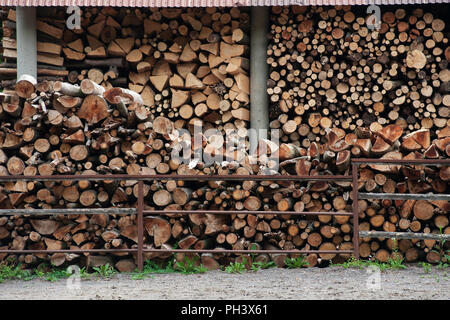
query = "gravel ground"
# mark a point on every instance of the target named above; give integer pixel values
(277, 284)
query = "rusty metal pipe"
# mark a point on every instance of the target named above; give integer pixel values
(68, 251)
(247, 251)
(140, 223)
(230, 212)
(403, 161)
(175, 177)
(355, 207)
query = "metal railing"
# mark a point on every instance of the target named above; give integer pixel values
(140, 211)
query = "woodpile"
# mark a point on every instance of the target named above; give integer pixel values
(88, 126)
(188, 64)
(59, 128)
(341, 90)
(329, 69)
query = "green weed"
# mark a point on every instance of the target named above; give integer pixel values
(105, 271)
(352, 263)
(446, 255)
(39, 274)
(153, 267)
(396, 260)
(295, 263)
(443, 253)
(84, 273)
(188, 266)
(14, 273)
(392, 263)
(256, 266)
(236, 267)
(140, 276)
(395, 263)
(56, 274)
(425, 266)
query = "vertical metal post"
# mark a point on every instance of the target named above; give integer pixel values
(259, 72)
(140, 223)
(355, 210)
(26, 41)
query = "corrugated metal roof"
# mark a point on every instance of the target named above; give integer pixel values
(205, 3)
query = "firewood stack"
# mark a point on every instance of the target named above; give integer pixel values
(187, 64)
(329, 69)
(339, 89)
(394, 215)
(60, 128)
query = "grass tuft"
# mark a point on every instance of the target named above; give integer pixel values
(106, 271)
(236, 267)
(296, 263)
(189, 266)
(14, 273)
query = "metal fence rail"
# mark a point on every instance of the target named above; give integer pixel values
(408, 196)
(404, 235)
(141, 212)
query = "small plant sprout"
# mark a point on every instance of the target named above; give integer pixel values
(236, 267)
(259, 265)
(425, 266)
(396, 260)
(105, 271)
(295, 263)
(189, 266)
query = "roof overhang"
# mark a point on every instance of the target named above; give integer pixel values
(205, 3)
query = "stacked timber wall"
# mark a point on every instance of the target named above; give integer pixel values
(337, 90)
(343, 89)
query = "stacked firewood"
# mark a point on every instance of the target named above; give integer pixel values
(187, 64)
(340, 88)
(420, 216)
(60, 128)
(329, 68)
